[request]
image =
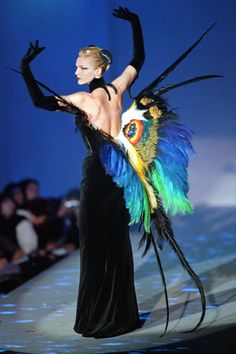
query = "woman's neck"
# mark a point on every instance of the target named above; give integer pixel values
(96, 83)
(100, 82)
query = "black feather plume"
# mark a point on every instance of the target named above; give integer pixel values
(163, 228)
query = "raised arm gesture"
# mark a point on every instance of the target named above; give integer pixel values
(38, 98)
(138, 46)
(33, 51)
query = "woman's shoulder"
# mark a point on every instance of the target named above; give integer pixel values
(77, 98)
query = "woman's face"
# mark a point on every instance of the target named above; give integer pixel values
(31, 191)
(85, 70)
(7, 208)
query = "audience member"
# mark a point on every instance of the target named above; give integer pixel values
(16, 229)
(3, 261)
(15, 192)
(30, 189)
(69, 212)
(34, 232)
(39, 210)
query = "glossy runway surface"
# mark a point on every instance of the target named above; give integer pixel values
(38, 317)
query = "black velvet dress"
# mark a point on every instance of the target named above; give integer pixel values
(107, 303)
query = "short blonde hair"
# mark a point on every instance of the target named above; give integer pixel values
(101, 57)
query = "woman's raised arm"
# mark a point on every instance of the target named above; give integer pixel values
(49, 103)
(136, 63)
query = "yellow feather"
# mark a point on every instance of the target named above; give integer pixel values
(140, 169)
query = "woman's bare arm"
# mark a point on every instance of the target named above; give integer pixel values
(123, 81)
(136, 63)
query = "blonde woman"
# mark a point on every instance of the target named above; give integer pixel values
(106, 302)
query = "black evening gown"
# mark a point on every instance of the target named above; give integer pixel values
(107, 303)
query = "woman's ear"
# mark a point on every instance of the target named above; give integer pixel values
(98, 73)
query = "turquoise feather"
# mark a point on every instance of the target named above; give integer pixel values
(123, 174)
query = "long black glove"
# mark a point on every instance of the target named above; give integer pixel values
(138, 46)
(39, 99)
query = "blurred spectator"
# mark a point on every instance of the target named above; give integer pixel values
(34, 232)
(3, 261)
(69, 212)
(10, 250)
(30, 189)
(15, 192)
(38, 211)
(16, 232)
(56, 223)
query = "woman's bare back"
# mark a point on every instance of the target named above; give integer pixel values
(105, 114)
(102, 113)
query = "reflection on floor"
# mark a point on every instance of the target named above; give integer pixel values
(38, 316)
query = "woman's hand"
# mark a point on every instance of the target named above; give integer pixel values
(38, 97)
(17, 255)
(32, 52)
(138, 45)
(125, 14)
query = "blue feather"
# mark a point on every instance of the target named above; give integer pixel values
(122, 173)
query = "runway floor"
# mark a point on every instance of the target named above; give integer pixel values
(38, 316)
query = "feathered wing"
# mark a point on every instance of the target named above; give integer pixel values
(149, 160)
(150, 164)
(155, 147)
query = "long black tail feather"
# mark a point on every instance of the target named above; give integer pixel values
(163, 282)
(194, 276)
(165, 73)
(168, 235)
(167, 88)
(165, 233)
(146, 242)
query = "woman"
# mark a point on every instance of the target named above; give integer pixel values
(107, 302)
